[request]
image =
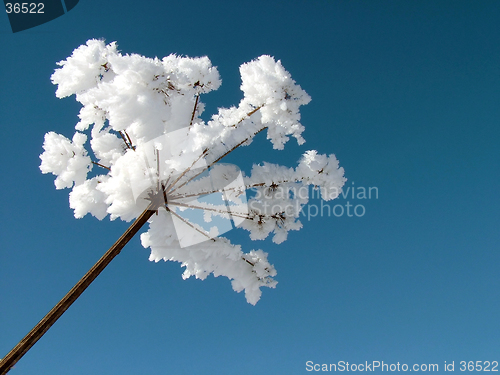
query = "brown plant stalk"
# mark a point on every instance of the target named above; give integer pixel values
(39, 330)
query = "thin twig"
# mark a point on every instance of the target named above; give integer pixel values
(259, 184)
(218, 159)
(124, 140)
(239, 144)
(180, 196)
(100, 165)
(246, 260)
(188, 169)
(238, 214)
(129, 140)
(276, 216)
(188, 223)
(248, 115)
(158, 170)
(194, 109)
(164, 194)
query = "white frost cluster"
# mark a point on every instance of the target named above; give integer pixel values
(147, 138)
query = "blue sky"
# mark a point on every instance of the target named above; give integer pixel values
(406, 94)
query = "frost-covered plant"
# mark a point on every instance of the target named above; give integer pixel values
(157, 153)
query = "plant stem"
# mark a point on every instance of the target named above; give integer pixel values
(194, 109)
(212, 163)
(124, 140)
(188, 223)
(226, 212)
(129, 140)
(43, 326)
(100, 165)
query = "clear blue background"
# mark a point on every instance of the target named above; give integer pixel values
(405, 93)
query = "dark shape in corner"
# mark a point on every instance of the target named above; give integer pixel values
(70, 4)
(25, 15)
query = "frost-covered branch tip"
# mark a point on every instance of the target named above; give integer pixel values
(147, 139)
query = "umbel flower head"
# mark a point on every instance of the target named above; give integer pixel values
(151, 149)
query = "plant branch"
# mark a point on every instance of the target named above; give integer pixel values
(188, 223)
(248, 115)
(218, 159)
(180, 204)
(124, 140)
(39, 330)
(194, 109)
(233, 188)
(129, 140)
(100, 165)
(188, 169)
(239, 144)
